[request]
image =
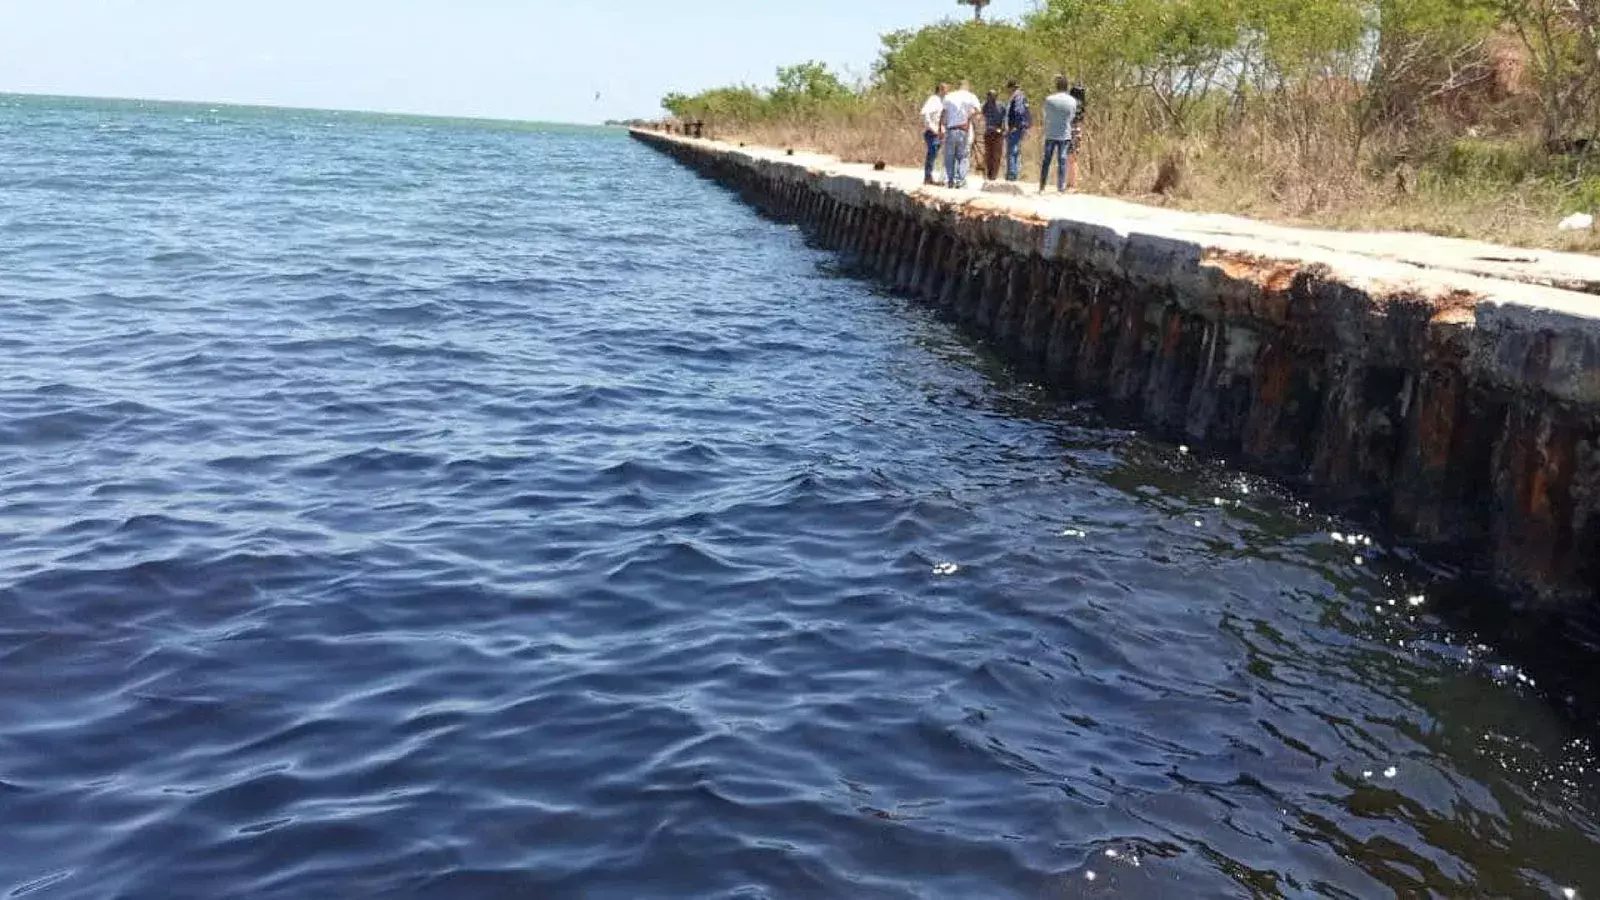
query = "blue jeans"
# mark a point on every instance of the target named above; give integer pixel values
(1051, 149)
(957, 157)
(932, 139)
(1014, 154)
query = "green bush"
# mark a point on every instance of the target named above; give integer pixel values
(1492, 161)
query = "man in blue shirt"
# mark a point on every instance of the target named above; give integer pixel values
(1060, 112)
(1018, 120)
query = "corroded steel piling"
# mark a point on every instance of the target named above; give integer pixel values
(1463, 410)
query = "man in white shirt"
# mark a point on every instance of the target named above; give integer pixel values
(959, 108)
(933, 128)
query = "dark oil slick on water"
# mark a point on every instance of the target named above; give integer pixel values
(438, 509)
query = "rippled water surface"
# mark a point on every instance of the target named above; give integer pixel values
(439, 509)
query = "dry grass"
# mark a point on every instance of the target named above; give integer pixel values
(1275, 167)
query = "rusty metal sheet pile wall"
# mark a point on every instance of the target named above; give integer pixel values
(1463, 410)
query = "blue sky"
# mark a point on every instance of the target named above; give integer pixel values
(522, 59)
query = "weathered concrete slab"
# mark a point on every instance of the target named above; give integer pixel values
(1568, 271)
(1454, 387)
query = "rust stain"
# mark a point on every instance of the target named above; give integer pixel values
(1437, 424)
(1280, 279)
(1271, 275)
(1097, 317)
(1273, 386)
(1174, 336)
(1271, 278)
(1556, 471)
(1455, 308)
(1536, 497)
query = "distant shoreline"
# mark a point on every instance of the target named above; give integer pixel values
(269, 107)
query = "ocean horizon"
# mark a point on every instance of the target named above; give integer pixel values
(210, 105)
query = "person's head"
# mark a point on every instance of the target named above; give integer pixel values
(941, 88)
(1012, 86)
(966, 85)
(1063, 83)
(993, 96)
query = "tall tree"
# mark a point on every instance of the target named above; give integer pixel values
(977, 8)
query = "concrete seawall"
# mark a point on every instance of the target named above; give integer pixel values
(1451, 387)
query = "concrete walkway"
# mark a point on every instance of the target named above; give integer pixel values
(1566, 271)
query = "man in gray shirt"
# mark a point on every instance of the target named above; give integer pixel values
(1060, 112)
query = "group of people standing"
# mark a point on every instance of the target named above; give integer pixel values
(949, 118)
